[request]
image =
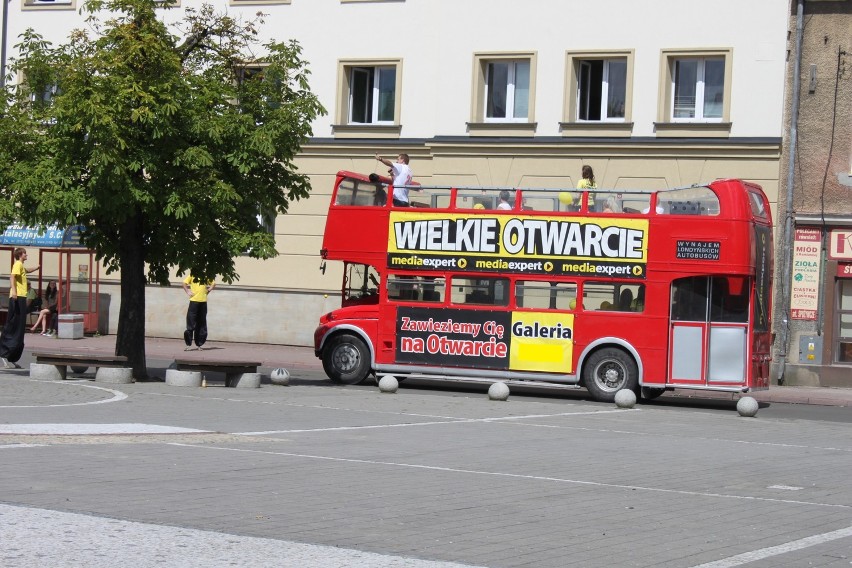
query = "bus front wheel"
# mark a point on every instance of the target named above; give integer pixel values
(607, 371)
(346, 360)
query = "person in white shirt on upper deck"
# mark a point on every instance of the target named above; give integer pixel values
(401, 173)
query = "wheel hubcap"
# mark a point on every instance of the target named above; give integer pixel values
(610, 376)
(346, 358)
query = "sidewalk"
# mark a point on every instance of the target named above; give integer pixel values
(161, 352)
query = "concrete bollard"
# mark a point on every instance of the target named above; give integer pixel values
(498, 391)
(243, 380)
(388, 384)
(747, 407)
(625, 398)
(177, 378)
(48, 372)
(114, 375)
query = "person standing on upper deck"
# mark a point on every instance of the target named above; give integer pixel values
(505, 197)
(588, 182)
(12, 337)
(402, 176)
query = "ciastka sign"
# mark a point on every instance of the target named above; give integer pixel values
(804, 298)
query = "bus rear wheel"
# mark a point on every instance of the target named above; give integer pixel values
(346, 359)
(607, 371)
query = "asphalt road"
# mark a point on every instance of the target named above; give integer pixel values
(314, 474)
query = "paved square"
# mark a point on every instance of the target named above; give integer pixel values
(415, 477)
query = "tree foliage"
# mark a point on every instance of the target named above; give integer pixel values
(167, 145)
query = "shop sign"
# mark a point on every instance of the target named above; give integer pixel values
(844, 270)
(804, 297)
(840, 244)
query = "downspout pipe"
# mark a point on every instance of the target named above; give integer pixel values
(787, 236)
(3, 44)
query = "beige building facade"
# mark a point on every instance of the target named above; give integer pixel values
(813, 318)
(482, 92)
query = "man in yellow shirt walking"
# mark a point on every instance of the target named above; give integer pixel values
(196, 314)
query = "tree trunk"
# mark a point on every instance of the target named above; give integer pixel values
(130, 338)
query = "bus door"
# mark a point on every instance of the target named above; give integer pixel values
(708, 339)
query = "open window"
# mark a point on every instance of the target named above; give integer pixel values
(368, 102)
(598, 93)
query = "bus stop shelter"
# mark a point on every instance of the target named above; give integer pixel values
(63, 258)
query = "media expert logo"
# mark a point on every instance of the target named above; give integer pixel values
(529, 245)
(530, 341)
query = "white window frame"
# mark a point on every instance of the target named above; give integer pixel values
(250, 2)
(479, 125)
(572, 124)
(583, 70)
(511, 89)
(376, 72)
(48, 5)
(668, 126)
(343, 126)
(700, 84)
(52, 88)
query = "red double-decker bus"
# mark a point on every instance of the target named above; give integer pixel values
(609, 289)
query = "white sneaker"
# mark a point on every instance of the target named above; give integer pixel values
(5, 363)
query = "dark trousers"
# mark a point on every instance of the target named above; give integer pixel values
(12, 338)
(196, 324)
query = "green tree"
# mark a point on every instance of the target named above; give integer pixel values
(167, 144)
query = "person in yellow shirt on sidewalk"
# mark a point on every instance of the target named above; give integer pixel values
(12, 337)
(196, 314)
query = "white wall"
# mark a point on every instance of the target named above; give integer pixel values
(436, 40)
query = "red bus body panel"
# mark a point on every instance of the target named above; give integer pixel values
(735, 248)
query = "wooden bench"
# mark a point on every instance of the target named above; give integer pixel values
(79, 361)
(233, 370)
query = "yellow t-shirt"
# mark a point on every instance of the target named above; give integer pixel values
(585, 184)
(20, 274)
(198, 289)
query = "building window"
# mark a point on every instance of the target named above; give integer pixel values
(503, 95)
(372, 95)
(42, 95)
(368, 101)
(250, 2)
(507, 90)
(64, 4)
(695, 93)
(601, 89)
(598, 93)
(698, 88)
(843, 343)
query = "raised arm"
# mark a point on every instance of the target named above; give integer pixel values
(388, 163)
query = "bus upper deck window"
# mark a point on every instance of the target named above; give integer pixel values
(698, 200)
(758, 209)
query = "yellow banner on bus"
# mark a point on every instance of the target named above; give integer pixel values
(587, 246)
(541, 341)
